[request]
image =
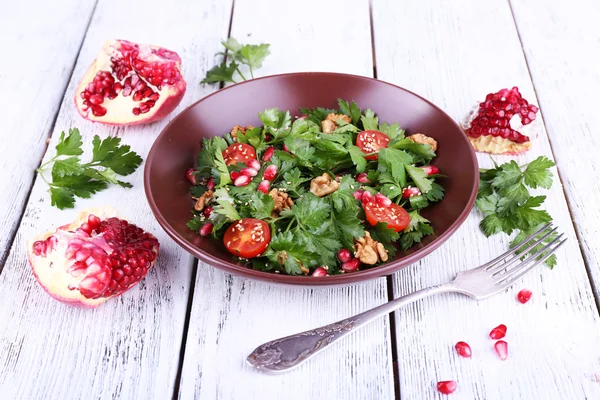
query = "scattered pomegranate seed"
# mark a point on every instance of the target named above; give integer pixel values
(206, 229)
(344, 255)
(382, 200)
(264, 186)
(242, 180)
(463, 349)
(501, 348)
(270, 172)
(268, 153)
(351, 266)
(498, 332)
(410, 192)
(319, 271)
(285, 148)
(254, 164)
(431, 169)
(234, 175)
(251, 172)
(524, 296)
(210, 185)
(446, 387)
(367, 197)
(358, 195)
(362, 178)
(207, 211)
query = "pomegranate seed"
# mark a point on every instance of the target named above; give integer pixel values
(498, 332)
(358, 195)
(270, 172)
(96, 99)
(351, 266)
(98, 111)
(135, 111)
(362, 178)
(268, 153)
(319, 271)
(344, 255)
(207, 211)
(431, 169)
(39, 248)
(254, 164)
(367, 197)
(154, 96)
(286, 149)
(242, 180)
(248, 172)
(191, 177)
(463, 349)
(524, 296)
(210, 185)
(446, 387)
(234, 175)
(501, 348)
(206, 229)
(382, 200)
(138, 96)
(410, 192)
(264, 186)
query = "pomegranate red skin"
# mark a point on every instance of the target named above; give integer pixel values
(170, 95)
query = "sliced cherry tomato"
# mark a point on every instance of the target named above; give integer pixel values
(396, 217)
(239, 153)
(247, 238)
(371, 142)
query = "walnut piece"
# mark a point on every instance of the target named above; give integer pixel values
(237, 129)
(281, 199)
(203, 200)
(424, 139)
(329, 124)
(369, 251)
(323, 185)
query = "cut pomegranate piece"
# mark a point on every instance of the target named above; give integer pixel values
(242, 180)
(410, 191)
(210, 185)
(344, 255)
(501, 348)
(264, 186)
(498, 332)
(351, 266)
(268, 153)
(382, 200)
(358, 195)
(130, 84)
(319, 271)
(270, 172)
(524, 296)
(463, 349)
(497, 124)
(206, 229)
(446, 387)
(362, 178)
(191, 177)
(430, 169)
(96, 257)
(367, 197)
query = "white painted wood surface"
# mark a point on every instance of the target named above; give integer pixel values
(561, 41)
(33, 76)
(454, 53)
(130, 347)
(230, 316)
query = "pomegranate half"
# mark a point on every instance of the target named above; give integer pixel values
(130, 84)
(96, 257)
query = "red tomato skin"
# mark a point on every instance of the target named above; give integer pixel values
(372, 142)
(247, 237)
(239, 152)
(375, 213)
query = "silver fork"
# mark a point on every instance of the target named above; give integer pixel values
(281, 355)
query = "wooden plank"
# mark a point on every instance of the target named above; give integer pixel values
(32, 82)
(130, 346)
(562, 46)
(231, 316)
(454, 53)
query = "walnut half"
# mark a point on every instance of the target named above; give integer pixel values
(237, 129)
(203, 200)
(329, 124)
(369, 251)
(323, 185)
(281, 200)
(424, 139)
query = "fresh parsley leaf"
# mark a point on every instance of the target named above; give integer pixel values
(537, 173)
(395, 161)
(62, 197)
(343, 198)
(70, 145)
(487, 205)
(292, 182)
(508, 175)
(224, 177)
(221, 73)
(225, 208)
(358, 158)
(253, 56)
(510, 198)
(275, 120)
(318, 114)
(196, 222)
(348, 225)
(66, 166)
(417, 202)
(423, 151)
(419, 177)
(262, 205)
(310, 211)
(350, 109)
(369, 120)
(238, 54)
(285, 246)
(491, 224)
(386, 236)
(435, 194)
(416, 230)
(393, 131)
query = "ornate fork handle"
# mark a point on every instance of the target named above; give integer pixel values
(283, 354)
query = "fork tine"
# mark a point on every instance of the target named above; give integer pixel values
(516, 257)
(517, 273)
(515, 248)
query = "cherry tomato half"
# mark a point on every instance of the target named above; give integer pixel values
(247, 238)
(371, 142)
(395, 216)
(239, 153)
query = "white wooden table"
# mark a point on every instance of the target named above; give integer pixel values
(185, 330)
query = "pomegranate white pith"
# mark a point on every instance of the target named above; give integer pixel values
(96, 257)
(129, 84)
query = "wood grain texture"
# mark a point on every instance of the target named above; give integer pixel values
(129, 347)
(231, 316)
(454, 53)
(33, 78)
(562, 46)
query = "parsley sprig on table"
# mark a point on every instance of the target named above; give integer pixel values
(237, 56)
(506, 203)
(71, 177)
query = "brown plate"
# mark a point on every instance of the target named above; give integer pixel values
(176, 148)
